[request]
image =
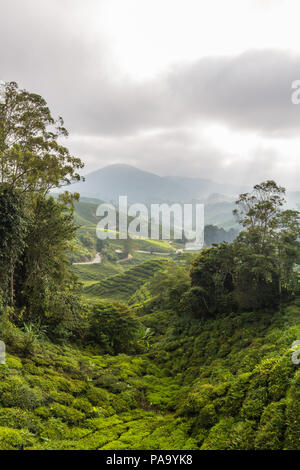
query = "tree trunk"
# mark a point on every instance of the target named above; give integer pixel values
(12, 288)
(279, 278)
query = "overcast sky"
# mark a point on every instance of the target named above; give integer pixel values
(177, 87)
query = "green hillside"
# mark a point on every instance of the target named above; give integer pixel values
(121, 286)
(139, 346)
(95, 272)
(173, 367)
(85, 212)
(226, 384)
(85, 246)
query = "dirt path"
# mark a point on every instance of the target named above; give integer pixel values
(125, 259)
(154, 252)
(96, 260)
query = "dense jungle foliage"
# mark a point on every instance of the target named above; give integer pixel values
(149, 348)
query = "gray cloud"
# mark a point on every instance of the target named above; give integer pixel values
(251, 91)
(248, 92)
(45, 46)
(48, 48)
(175, 152)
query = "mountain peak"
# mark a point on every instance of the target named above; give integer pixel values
(119, 179)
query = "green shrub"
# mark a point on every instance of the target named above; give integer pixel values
(207, 417)
(292, 435)
(236, 393)
(16, 394)
(19, 419)
(82, 404)
(242, 435)
(67, 414)
(114, 326)
(219, 437)
(270, 433)
(61, 397)
(53, 429)
(12, 439)
(97, 395)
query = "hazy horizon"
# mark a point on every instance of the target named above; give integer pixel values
(85, 173)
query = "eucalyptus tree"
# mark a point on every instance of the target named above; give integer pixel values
(268, 246)
(36, 229)
(31, 155)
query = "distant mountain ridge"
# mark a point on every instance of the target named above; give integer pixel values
(112, 181)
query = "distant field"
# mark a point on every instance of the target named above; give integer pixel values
(95, 272)
(138, 258)
(122, 286)
(85, 213)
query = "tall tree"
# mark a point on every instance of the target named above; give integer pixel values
(257, 270)
(268, 246)
(31, 157)
(258, 211)
(32, 162)
(44, 263)
(13, 226)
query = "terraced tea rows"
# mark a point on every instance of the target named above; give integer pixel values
(121, 286)
(95, 272)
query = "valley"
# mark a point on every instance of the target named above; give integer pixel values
(137, 343)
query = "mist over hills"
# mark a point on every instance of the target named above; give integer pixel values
(110, 182)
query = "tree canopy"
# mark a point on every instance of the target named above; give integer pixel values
(31, 155)
(257, 270)
(36, 229)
